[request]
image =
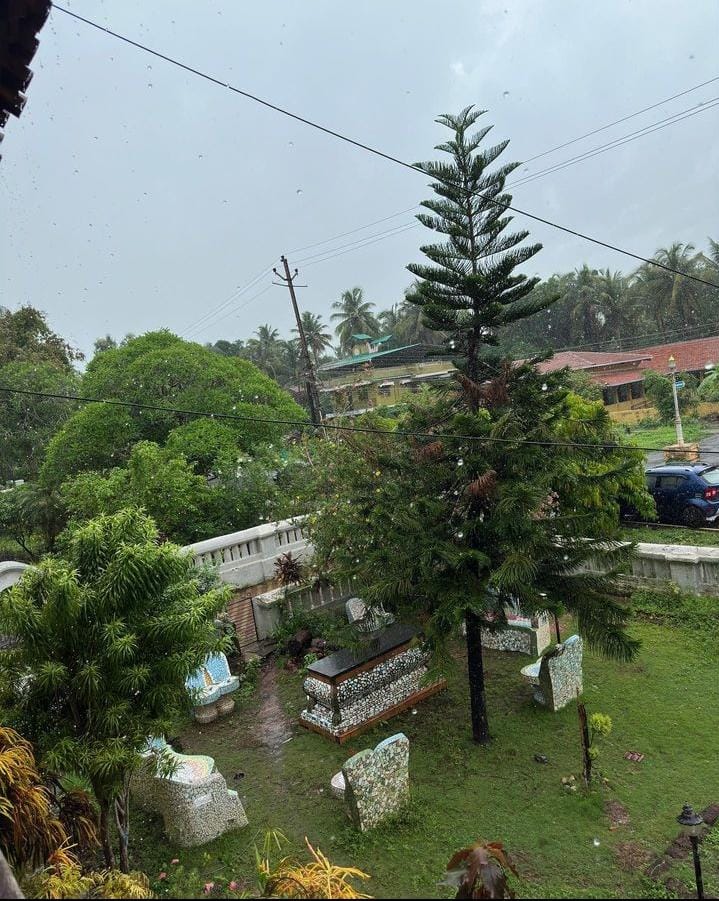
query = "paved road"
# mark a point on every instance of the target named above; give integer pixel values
(710, 443)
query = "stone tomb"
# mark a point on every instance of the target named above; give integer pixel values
(195, 804)
(557, 676)
(365, 618)
(529, 635)
(351, 690)
(377, 782)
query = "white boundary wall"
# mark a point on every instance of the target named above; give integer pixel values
(248, 557)
(690, 567)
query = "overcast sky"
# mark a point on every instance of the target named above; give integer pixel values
(134, 195)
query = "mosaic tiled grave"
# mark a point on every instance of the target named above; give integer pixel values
(377, 782)
(557, 676)
(195, 804)
(349, 691)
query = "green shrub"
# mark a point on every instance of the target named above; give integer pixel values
(675, 607)
(329, 625)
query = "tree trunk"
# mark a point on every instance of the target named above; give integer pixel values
(475, 664)
(122, 819)
(584, 733)
(557, 630)
(105, 839)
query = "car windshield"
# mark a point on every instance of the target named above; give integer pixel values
(711, 476)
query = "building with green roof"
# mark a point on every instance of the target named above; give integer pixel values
(374, 376)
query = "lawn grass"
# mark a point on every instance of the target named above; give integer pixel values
(660, 436)
(668, 535)
(665, 704)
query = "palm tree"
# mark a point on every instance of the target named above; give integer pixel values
(292, 360)
(583, 295)
(264, 349)
(614, 303)
(318, 339)
(354, 315)
(390, 319)
(676, 302)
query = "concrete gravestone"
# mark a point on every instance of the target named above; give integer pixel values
(367, 618)
(377, 782)
(557, 676)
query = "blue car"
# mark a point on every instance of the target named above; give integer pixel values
(687, 493)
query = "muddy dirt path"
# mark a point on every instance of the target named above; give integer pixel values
(273, 724)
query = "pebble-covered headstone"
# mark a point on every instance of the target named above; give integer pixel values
(560, 673)
(377, 782)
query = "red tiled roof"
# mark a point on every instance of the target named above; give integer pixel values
(612, 379)
(592, 360)
(691, 356)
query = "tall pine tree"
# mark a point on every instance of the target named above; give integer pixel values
(470, 288)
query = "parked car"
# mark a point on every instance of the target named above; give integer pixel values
(687, 493)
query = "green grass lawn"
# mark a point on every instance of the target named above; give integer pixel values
(665, 705)
(659, 436)
(672, 536)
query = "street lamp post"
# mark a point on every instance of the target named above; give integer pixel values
(691, 824)
(677, 417)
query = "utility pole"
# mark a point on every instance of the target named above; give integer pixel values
(313, 397)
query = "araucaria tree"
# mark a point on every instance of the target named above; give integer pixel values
(470, 288)
(514, 495)
(107, 634)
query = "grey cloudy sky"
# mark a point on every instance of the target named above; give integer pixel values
(135, 196)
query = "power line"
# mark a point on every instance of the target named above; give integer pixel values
(369, 149)
(303, 424)
(236, 294)
(623, 119)
(354, 245)
(618, 142)
(354, 230)
(234, 310)
(529, 160)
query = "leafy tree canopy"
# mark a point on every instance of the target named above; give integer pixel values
(161, 369)
(108, 632)
(437, 527)
(27, 423)
(184, 505)
(25, 335)
(658, 388)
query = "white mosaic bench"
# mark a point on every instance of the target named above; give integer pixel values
(210, 687)
(193, 799)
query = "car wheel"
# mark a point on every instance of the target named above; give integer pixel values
(693, 517)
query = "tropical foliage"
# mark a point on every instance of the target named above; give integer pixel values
(658, 388)
(515, 493)
(31, 831)
(353, 315)
(469, 288)
(316, 334)
(69, 881)
(290, 878)
(480, 871)
(107, 634)
(610, 310)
